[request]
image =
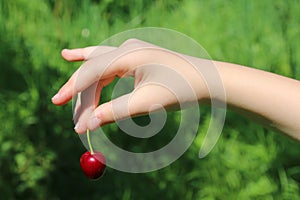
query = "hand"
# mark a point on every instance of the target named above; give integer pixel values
(166, 79)
(163, 79)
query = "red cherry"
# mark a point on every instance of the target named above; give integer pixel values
(93, 165)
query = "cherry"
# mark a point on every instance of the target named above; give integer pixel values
(92, 163)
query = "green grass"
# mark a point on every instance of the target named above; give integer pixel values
(39, 151)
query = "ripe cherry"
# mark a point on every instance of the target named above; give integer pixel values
(92, 163)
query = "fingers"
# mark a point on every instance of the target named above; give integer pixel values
(78, 83)
(110, 112)
(154, 91)
(86, 103)
(102, 62)
(140, 102)
(93, 70)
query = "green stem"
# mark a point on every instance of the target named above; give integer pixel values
(89, 141)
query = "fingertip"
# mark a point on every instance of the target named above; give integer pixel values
(67, 54)
(56, 99)
(60, 99)
(99, 117)
(79, 131)
(94, 122)
(105, 114)
(64, 51)
(79, 128)
(73, 54)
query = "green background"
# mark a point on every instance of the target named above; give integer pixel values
(39, 151)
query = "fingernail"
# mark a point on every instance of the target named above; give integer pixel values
(57, 96)
(77, 126)
(94, 122)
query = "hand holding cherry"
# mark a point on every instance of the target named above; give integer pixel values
(92, 163)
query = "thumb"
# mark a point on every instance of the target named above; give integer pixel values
(140, 102)
(109, 112)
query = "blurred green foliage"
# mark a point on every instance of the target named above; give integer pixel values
(39, 151)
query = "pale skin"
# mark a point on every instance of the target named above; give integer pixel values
(272, 99)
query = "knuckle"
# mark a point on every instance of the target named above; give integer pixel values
(132, 43)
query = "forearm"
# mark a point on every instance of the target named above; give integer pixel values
(270, 98)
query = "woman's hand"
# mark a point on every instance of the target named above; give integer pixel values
(166, 79)
(162, 79)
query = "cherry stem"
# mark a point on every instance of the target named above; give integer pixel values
(89, 141)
